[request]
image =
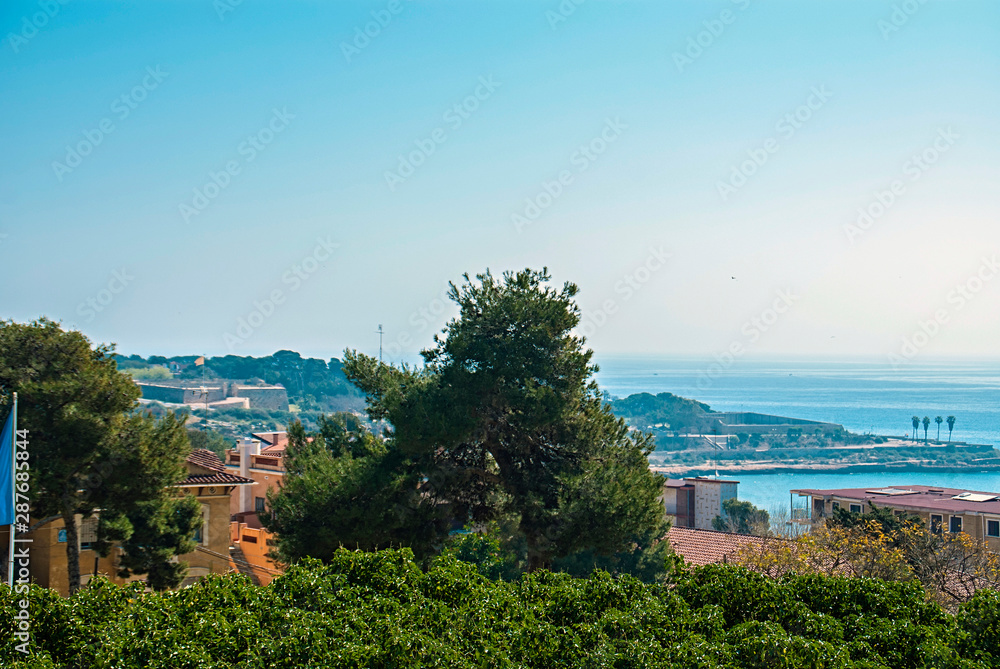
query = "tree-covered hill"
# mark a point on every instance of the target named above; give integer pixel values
(381, 609)
(678, 414)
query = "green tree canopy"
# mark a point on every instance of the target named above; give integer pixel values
(87, 451)
(507, 420)
(742, 517)
(888, 522)
(209, 440)
(679, 414)
(345, 487)
(151, 534)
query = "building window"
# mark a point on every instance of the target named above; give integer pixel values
(201, 534)
(836, 505)
(956, 523)
(855, 508)
(258, 504)
(936, 523)
(993, 528)
(88, 533)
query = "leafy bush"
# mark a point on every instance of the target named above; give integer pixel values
(379, 609)
(153, 373)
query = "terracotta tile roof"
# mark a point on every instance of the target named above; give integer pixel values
(207, 459)
(220, 478)
(701, 547)
(276, 441)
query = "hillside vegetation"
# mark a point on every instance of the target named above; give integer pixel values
(644, 411)
(379, 609)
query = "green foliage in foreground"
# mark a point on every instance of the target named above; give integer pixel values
(380, 610)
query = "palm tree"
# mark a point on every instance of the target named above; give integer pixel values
(939, 420)
(927, 424)
(951, 426)
(916, 426)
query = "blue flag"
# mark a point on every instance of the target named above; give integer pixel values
(7, 471)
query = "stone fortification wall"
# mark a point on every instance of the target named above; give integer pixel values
(188, 391)
(264, 397)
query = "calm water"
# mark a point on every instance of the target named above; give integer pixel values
(862, 396)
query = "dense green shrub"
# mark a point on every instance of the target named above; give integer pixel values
(980, 619)
(379, 609)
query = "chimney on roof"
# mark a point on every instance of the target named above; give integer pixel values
(248, 448)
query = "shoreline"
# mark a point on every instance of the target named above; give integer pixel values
(679, 471)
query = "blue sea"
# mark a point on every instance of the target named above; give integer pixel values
(863, 396)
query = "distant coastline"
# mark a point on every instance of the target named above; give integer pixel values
(865, 396)
(824, 468)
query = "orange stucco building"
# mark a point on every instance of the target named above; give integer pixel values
(262, 460)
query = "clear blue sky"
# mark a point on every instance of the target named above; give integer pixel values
(329, 121)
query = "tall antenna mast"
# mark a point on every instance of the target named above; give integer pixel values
(380, 343)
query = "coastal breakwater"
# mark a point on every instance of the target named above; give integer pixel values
(890, 455)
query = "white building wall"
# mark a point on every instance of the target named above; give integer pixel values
(707, 502)
(669, 498)
(708, 498)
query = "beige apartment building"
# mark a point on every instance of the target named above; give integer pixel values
(941, 509)
(694, 502)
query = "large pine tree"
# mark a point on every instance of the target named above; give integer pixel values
(508, 420)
